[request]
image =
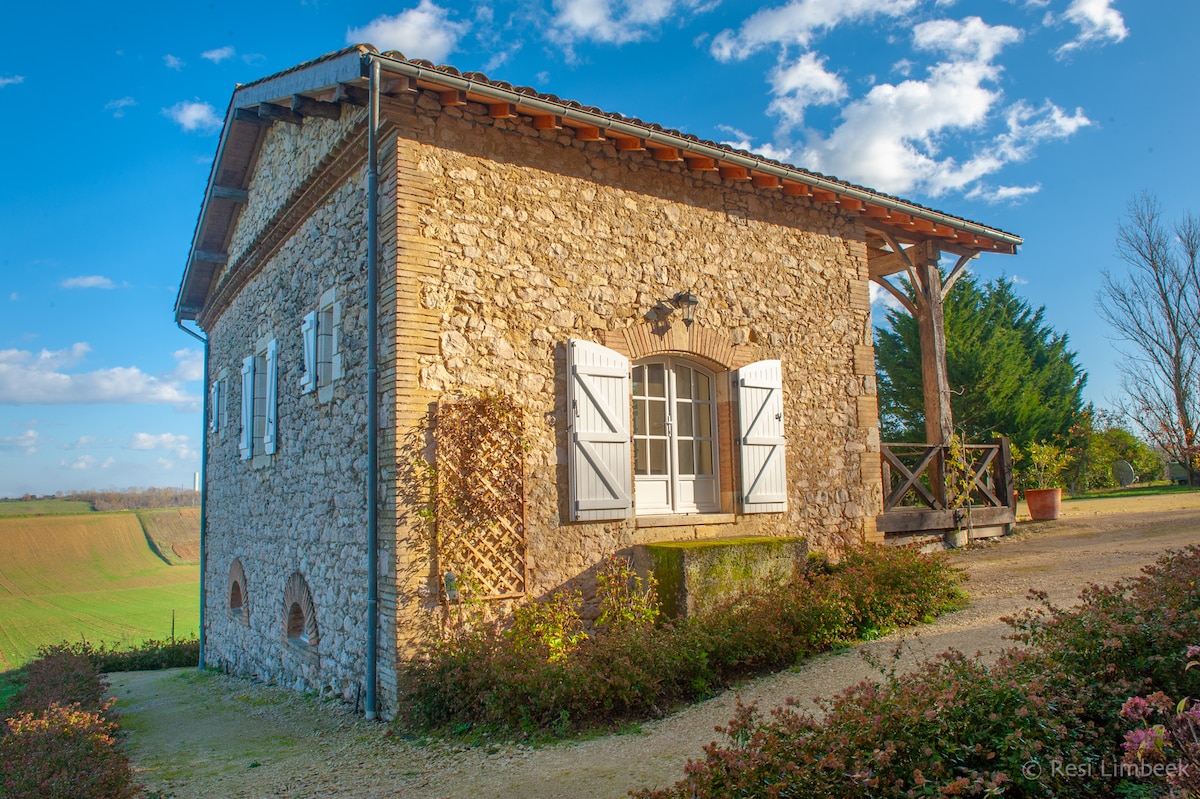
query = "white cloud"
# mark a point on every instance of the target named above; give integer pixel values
(422, 32)
(1098, 23)
(14, 80)
(745, 142)
(1002, 194)
(81, 442)
(108, 463)
(254, 59)
(118, 106)
(28, 378)
(190, 365)
(163, 441)
(796, 23)
(194, 115)
(219, 54)
(26, 442)
(81, 463)
(883, 300)
(893, 137)
(803, 83)
(615, 21)
(87, 282)
(172, 62)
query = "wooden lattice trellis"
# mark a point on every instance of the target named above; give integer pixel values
(480, 503)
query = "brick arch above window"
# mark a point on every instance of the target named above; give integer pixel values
(238, 592)
(299, 612)
(711, 348)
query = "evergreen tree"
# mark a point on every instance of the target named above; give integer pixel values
(1009, 371)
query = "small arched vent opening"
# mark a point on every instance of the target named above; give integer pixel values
(238, 594)
(300, 615)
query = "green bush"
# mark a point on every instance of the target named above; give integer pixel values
(149, 655)
(1042, 721)
(488, 677)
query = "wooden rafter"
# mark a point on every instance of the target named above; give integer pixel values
(309, 107)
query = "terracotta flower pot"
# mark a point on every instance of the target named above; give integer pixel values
(1044, 503)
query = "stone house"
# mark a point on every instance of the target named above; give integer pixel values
(683, 330)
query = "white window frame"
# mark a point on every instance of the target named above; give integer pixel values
(260, 403)
(673, 492)
(321, 331)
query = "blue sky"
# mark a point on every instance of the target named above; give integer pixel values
(1040, 117)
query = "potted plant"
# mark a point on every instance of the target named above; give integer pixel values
(1047, 463)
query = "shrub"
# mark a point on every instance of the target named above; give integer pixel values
(543, 676)
(63, 753)
(1044, 720)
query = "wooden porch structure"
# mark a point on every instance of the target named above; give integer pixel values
(920, 505)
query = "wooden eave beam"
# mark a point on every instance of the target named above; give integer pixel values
(589, 133)
(279, 113)
(876, 212)
(229, 193)
(734, 173)
(309, 107)
(766, 182)
(350, 95)
(397, 85)
(452, 97)
(666, 154)
(797, 190)
(823, 196)
(923, 225)
(701, 164)
(549, 122)
(850, 203)
(249, 116)
(206, 257)
(502, 110)
(631, 145)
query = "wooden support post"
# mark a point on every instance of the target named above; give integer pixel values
(939, 426)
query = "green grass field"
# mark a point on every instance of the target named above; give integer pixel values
(43, 507)
(94, 576)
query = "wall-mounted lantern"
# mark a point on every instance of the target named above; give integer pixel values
(686, 302)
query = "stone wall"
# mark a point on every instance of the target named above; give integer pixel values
(526, 238)
(302, 509)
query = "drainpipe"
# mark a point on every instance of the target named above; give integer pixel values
(205, 410)
(372, 388)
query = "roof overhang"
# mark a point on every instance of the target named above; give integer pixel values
(316, 87)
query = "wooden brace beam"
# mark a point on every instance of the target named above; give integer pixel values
(309, 107)
(247, 115)
(900, 296)
(350, 95)
(279, 113)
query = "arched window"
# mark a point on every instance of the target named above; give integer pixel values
(239, 607)
(300, 615)
(674, 437)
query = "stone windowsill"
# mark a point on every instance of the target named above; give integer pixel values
(685, 519)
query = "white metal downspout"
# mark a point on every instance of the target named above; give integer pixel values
(372, 390)
(205, 411)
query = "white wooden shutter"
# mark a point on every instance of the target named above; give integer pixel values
(598, 410)
(308, 331)
(246, 444)
(272, 396)
(214, 407)
(760, 414)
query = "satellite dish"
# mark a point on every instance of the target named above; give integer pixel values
(1122, 472)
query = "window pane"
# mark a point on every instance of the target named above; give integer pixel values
(657, 379)
(703, 389)
(658, 456)
(639, 417)
(640, 457)
(704, 459)
(658, 418)
(683, 382)
(683, 418)
(639, 381)
(687, 461)
(704, 420)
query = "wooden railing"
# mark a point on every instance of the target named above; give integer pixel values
(915, 477)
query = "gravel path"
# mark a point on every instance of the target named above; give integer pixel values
(206, 735)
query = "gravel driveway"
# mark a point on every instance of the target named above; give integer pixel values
(197, 734)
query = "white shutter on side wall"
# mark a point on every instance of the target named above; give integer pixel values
(598, 409)
(760, 416)
(246, 444)
(308, 331)
(269, 436)
(214, 407)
